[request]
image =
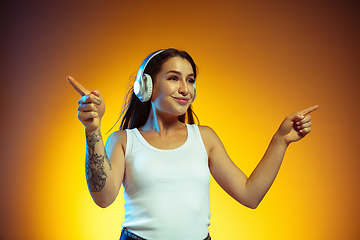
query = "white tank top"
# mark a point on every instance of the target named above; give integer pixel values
(167, 191)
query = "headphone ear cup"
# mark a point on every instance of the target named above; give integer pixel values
(147, 87)
(143, 83)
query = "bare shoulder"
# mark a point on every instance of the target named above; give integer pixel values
(117, 138)
(207, 132)
(209, 136)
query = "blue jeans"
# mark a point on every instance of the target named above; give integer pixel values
(127, 235)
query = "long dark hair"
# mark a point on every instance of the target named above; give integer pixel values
(137, 112)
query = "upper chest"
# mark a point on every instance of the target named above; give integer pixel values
(165, 142)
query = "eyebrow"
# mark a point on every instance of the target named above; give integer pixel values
(179, 73)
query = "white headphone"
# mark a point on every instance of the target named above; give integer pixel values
(143, 84)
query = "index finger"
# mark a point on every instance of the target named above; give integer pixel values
(77, 86)
(309, 110)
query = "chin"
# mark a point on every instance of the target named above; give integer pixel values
(182, 111)
(178, 113)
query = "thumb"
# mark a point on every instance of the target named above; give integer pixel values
(95, 92)
(77, 86)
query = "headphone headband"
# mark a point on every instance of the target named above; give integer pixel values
(142, 67)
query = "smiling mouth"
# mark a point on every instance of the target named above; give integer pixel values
(182, 100)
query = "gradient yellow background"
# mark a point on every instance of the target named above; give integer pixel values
(259, 61)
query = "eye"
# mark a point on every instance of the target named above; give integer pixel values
(174, 78)
(191, 81)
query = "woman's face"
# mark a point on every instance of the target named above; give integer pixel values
(173, 89)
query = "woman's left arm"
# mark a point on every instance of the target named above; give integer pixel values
(249, 191)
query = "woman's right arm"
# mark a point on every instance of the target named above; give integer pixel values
(104, 166)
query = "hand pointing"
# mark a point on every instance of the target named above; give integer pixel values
(91, 106)
(77, 86)
(297, 125)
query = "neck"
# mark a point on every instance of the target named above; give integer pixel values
(162, 123)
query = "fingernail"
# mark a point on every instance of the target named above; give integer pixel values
(297, 123)
(302, 116)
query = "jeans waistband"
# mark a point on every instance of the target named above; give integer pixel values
(127, 235)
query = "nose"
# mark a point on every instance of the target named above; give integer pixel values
(183, 87)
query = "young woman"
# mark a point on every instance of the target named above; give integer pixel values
(164, 160)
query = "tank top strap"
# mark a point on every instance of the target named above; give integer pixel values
(129, 142)
(196, 131)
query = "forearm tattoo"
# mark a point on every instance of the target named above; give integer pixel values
(94, 165)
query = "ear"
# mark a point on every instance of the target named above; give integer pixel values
(194, 91)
